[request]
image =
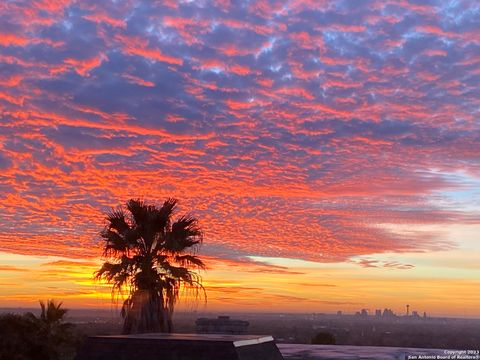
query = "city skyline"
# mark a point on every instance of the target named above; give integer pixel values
(330, 149)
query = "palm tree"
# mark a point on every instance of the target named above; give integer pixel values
(52, 331)
(52, 313)
(151, 256)
(52, 327)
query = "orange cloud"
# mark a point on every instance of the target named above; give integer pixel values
(83, 67)
(139, 47)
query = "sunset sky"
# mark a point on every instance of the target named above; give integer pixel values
(330, 149)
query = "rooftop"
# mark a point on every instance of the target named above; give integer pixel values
(333, 352)
(237, 340)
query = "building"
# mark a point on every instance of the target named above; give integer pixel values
(388, 313)
(221, 325)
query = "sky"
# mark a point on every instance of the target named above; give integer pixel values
(329, 148)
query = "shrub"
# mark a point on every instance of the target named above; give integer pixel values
(324, 338)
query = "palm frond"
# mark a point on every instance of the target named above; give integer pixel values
(160, 218)
(167, 210)
(109, 271)
(138, 209)
(132, 237)
(51, 312)
(177, 272)
(186, 260)
(114, 242)
(184, 234)
(43, 313)
(117, 221)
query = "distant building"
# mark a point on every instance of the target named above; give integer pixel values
(378, 313)
(339, 313)
(388, 313)
(363, 313)
(221, 325)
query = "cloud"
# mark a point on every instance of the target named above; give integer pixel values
(12, 268)
(70, 264)
(285, 137)
(369, 263)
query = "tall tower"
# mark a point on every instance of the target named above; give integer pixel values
(408, 310)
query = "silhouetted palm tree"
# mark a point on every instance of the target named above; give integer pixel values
(52, 313)
(48, 334)
(52, 327)
(152, 257)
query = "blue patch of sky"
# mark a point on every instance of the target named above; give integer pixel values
(267, 48)
(466, 197)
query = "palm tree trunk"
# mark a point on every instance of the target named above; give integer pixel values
(147, 313)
